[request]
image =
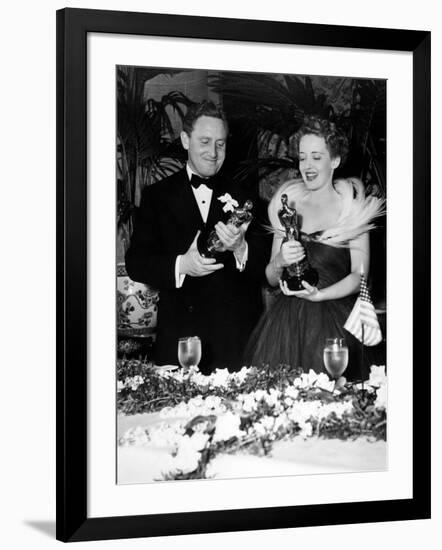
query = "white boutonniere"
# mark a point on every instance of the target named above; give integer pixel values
(230, 203)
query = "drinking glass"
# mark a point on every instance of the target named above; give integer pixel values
(189, 352)
(335, 356)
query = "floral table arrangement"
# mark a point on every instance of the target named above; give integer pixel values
(201, 417)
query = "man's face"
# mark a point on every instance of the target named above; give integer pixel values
(206, 146)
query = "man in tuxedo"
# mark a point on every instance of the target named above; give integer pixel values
(218, 300)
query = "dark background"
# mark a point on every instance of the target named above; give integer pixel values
(264, 111)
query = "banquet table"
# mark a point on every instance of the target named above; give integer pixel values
(297, 456)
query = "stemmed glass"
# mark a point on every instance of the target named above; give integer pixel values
(335, 356)
(189, 352)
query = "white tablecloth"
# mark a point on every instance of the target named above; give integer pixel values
(145, 464)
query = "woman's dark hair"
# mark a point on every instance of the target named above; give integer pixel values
(197, 110)
(335, 140)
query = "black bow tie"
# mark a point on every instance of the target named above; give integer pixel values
(196, 181)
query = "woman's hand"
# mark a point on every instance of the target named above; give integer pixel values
(311, 293)
(291, 252)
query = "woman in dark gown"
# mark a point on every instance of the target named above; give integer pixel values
(335, 220)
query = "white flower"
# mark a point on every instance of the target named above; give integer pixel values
(365, 386)
(200, 380)
(381, 396)
(272, 398)
(166, 435)
(259, 429)
(260, 394)
(199, 440)
(292, 392)
(377, 375)
(137, 381)
(230, 203)
(198, 405)
(134, 437)
(337, 408)
(265, 425)
(187, 458)
(268, 422)
(120, 385)
(302, 411)
(324, 383)
(214, 404)
(248, 402)
(227, 426)
(196, 401)
(312, 377)
(306, 430)
(134, 382)
(220, 378)
(288, 401)
(281, 421)
(306, 380)
(241, 375)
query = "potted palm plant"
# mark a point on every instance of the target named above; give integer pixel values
(270, 108)
(146, 152)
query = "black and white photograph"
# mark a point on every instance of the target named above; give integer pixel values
(221, 275)
(251, 274)
(243, 293)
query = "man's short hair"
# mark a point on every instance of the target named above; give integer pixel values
(197, 110)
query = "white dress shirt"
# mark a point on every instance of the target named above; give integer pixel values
(203, 196)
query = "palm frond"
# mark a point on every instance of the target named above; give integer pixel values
(265, 166)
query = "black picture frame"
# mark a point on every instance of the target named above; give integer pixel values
(73, 26)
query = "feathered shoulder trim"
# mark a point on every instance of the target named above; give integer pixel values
(357, 214)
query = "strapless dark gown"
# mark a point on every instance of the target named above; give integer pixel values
(294, 330)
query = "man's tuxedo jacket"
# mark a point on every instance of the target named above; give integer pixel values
(221, 308)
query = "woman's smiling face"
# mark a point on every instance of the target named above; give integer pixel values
(315, 163)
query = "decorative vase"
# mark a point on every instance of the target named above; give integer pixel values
(137, 306)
